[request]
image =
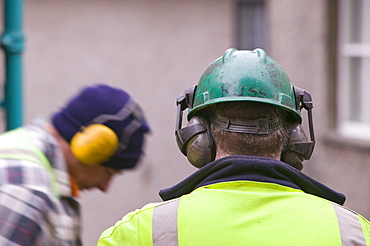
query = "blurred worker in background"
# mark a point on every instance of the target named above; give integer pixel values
(244, 134)
(44, 165)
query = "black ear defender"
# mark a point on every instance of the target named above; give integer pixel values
(195, 140)
(298, 147)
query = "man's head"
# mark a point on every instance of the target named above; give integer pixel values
(236, 141)
(243, 96)
(103, 127)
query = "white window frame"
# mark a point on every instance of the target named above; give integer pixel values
(354, 69)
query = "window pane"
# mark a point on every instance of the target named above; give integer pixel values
(355, 89)
(354, 69)
(355, 21)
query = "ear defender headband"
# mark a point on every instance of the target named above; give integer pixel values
(195, 140)
(96, 143)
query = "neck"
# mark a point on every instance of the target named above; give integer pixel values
(221, 154)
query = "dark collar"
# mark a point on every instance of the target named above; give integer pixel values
(251, 168)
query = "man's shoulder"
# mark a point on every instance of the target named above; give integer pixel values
(127, 229)
(146, 212)
(150, 207)
(346, 213)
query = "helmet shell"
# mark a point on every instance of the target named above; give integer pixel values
(245, 75)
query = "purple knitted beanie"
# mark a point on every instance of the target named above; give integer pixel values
(112, 107)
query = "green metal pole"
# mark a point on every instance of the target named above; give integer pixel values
(12, 41)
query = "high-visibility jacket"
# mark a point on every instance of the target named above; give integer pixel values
(36, 206)
(16, 145)
(228, 206)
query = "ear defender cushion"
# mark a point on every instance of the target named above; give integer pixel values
(95, 144)
(200, 148)
(298, 148)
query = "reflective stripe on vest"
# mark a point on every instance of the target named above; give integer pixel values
(350, 227)
(12, 153)
(165, 232)
(16, 145)
(165, 224)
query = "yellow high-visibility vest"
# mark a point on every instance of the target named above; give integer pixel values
(241, 213)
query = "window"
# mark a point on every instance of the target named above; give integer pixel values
(251, 25)
(354, 69)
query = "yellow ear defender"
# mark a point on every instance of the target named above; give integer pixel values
(95, 144)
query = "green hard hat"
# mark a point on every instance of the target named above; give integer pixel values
(245, 75)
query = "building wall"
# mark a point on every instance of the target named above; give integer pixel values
(154, 49)
(303, 41)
